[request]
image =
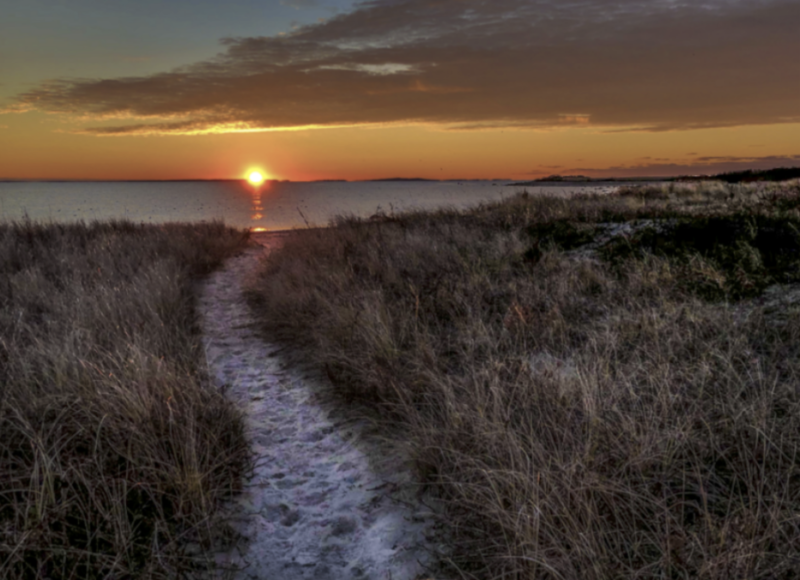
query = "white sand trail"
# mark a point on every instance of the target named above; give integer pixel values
(327, 499)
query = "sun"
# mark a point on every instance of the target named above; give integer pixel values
(255, 178)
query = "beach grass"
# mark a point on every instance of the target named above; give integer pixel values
(605, 386)
(115, 449)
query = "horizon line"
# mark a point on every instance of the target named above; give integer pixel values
(376, 179)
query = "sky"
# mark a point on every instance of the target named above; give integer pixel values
(439, 89)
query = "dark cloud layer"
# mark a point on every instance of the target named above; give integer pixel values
(471, 64)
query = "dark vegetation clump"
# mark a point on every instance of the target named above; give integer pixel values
(750, 252)
(594, 386)
(115, 449)
(558, 234)
(777, 174)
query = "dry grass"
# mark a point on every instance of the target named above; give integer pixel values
(115, 449)
(584, 415)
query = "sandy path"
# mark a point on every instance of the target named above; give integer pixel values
(328, 499)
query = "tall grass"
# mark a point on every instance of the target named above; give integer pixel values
(114, 447)
(584, 415)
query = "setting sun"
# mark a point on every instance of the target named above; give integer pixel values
(255, 178)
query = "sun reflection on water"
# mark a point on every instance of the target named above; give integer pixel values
(257, 181)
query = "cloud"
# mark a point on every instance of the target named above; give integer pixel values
(649, 65)
(699, 166)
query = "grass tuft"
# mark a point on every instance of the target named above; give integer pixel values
(115, 447)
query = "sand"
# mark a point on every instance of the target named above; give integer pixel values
(328, 498)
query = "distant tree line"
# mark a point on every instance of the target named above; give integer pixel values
(777, 174)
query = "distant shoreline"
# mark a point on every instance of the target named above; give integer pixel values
(775, 174)
(387, 179)
(587, 183)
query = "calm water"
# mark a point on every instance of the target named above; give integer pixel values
(272, 206)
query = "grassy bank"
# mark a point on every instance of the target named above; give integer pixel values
(114, 448)
(601, 387)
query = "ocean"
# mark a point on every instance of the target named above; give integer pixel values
(271, 206)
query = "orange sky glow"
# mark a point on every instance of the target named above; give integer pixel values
(444, 90)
